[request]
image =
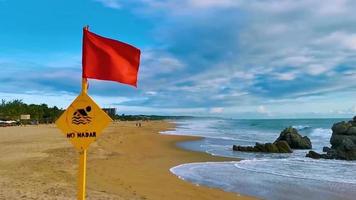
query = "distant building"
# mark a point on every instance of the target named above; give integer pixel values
(25, 117)
(110, 111)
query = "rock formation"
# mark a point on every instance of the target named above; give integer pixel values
(294, 139)
(288, 139)
(343, 142)
(277, 147)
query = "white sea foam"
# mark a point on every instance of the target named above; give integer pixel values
(301, 127)
(303, 168)
(267, 185)
(274, 171)
(213, 129)
(321, 132)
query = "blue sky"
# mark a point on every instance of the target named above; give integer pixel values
(230, 58)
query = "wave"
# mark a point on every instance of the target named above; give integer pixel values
(321, 132)
(320, 170)
(301, 127)
(226, 176)
(269, 166)
(213, 131)
(197, 135)
(274, 169)
(175, 168)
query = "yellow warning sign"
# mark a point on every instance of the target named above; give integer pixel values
(83, 121)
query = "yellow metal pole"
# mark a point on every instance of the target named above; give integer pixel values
(84, 80)
(84, 86)
(82, 157)
(82, 174)
(83, 153)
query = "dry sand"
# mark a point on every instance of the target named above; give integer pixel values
(126, 162)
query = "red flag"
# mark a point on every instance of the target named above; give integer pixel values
(108, 59)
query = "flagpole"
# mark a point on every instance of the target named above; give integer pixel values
(82, 157)
(84, 80)
(82, 174)
(84, 86)
(83, 153)
(123, 55)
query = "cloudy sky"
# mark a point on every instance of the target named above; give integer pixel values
(230, 58)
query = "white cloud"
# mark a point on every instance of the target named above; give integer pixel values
(248, 75)
(285, 76)
(151, 93)
(273, 40)
(264, 111)
(158, 62)
(316, 69)
(225, 96)
(253, 46)
(333, 7)
(339, 39)
(217, 110)
(350, 111)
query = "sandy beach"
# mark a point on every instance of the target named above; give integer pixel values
(126, 162)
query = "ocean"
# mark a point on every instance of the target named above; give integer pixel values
(267, 176)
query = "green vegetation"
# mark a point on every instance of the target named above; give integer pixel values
(11, 110)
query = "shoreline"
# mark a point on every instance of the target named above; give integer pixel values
(263, 175)
(162, 158)
(126, 162)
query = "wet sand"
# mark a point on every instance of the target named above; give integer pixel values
(126, 162)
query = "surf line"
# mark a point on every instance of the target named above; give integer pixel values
(81, 135)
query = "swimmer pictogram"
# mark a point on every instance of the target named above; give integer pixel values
(81, 116)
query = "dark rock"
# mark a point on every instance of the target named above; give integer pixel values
(337, 140)
(326, 149)
(313, 154)
(235, 147)
(343, 142)
(332, 153)
(288, 139)
(294, 139)
(283, 147)
(243, 148)
(353, 123)
(272, 148)
(260, 147)
(340, 128)
(351, 131)
(305, 143)
(251, 149)
(346, 150)
(348, 144)
(278, 147)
